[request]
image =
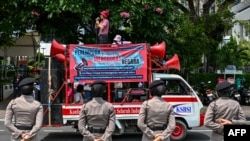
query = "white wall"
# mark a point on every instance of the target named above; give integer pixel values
(45, 48)
(242, 13)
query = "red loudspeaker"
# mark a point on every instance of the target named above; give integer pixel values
(159, 49)
(173, 63)
(60, 57)
(56, 48)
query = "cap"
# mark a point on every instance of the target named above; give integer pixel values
(118, 38)
(223, 85)
(156, 83)
(26, 81)
(98, 82)
(105, 13)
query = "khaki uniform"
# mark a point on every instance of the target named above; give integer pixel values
(159, 112)
(222, 108)
(26, 113)
(96, 116)
(240, 122)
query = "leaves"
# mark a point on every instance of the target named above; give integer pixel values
(186, 32)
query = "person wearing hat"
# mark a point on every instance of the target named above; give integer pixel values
(222, 108)
(102, 24)
(24, 115)
(156, 117)
(97, 115)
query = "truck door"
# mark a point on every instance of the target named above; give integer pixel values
(186, 103)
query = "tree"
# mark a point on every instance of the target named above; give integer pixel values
(244, 53)
(15, 17)
(233, 53)
(212, 26)
(149, 21)
(185, 31)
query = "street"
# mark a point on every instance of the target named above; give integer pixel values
(68, 134)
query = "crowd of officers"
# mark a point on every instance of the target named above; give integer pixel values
(156, 120)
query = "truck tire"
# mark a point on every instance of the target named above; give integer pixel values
(180, 131)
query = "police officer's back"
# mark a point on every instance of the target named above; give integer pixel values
(98, 115)
(156, 118)
(26, 112)
(223, 107)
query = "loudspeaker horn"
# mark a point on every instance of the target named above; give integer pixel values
(159, 49)
(173, 63)
(60, 57)
(56, 48)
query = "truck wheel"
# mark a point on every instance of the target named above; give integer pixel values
(180, 131)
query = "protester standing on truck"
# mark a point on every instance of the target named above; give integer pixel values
(156, 118)
(223, 107)
(102, 24)
(27, 114)
(97, 115)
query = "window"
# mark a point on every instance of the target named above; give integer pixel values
(176, 87)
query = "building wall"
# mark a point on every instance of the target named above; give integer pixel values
(241, 11)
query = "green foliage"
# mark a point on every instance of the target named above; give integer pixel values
(196, 78)
(31, 62)
(216, 25)
(233, 54)
(15, 16)
(186, 33)
(190, 43)
(244, 44)
(11, 73)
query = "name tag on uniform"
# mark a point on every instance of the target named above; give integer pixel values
(236, 132)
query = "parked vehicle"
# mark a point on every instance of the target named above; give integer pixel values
(245, 95)
(206, 94)
(236, 95)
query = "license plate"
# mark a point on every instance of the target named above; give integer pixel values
(237, 95)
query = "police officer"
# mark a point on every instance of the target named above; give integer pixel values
(156, 118)
(223, 107)
(26, 114)
(97, 117)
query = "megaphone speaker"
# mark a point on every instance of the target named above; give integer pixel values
(60, 57)
(56, 48)
(173, 63)
(159, 49)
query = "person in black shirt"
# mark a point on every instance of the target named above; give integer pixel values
(15, 82)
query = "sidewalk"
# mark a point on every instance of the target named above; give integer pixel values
(3, 105)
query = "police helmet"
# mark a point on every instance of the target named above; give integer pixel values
(157, 88)
(224, 88)
(27, 86)
(98, 88)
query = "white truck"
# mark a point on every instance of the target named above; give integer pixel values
(128, 64)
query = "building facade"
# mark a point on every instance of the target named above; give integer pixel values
(241, 12)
